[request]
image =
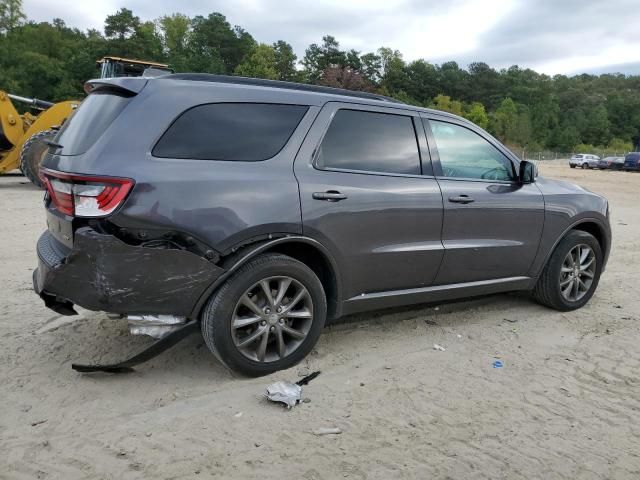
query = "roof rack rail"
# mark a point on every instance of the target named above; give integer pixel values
(259, 82)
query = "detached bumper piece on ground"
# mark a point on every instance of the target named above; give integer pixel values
(150, 352)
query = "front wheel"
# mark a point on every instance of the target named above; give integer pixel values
(585, 166)
(571, 275)
(266, 317)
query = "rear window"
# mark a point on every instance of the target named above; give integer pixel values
(230, 131)
(85, 126)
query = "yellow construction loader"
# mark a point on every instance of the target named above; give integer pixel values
(28, 133)
(24, 137)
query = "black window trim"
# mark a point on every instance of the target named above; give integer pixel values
(175, 119)
(422, 143)
(435, 155)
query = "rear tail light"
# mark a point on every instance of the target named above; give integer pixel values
(85, 196)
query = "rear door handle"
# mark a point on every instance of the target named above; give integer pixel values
(330, 196)
(461, 199)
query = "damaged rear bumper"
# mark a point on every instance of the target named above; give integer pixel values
(103, 273)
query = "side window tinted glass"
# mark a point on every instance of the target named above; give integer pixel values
(465, 154)
(370, 142)
(230, 131)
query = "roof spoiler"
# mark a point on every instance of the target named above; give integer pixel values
(126, 86)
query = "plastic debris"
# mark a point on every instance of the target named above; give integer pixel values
(284, 392)
(327, 431)
(497, 364)
(440, 348)
(289, 393)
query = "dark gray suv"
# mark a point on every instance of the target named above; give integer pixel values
(263, 208)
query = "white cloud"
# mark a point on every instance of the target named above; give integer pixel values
(554, 36)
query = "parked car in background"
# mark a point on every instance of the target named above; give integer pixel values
(632, 162)
(611, 163)
(584, 160)
(262, 208)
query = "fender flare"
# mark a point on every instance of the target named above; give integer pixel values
(252, 250)
(572, 226)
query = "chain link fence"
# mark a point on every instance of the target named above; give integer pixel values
(550, 155)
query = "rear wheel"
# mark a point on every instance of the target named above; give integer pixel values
(585, 166)
(266, 317)
(572, 273)
(32, 154)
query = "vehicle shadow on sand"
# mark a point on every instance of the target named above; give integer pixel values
(95, 339)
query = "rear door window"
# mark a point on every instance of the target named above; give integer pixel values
(365, 141)
(230, 131)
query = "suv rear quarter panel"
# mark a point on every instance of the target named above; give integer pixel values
(222, 203)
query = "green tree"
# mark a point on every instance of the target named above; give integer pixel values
(503, 122)
(445, 104)
(11, 15)
(595, 129)
(260, 63)
(216, 47)
(486, 82)
(175, 30)
(477, 114)
(371, 67)
(393, 70)
(285, 61)
(121, 25)
(620, 146)
(49, 60)
(453, 81)
(564, 138)
(422, 79)
(318, 57)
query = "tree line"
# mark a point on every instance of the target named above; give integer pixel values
(521, 107)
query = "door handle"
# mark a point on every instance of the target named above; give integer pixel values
(330, 196)
(461, 199)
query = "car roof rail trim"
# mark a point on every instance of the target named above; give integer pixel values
(260, 82)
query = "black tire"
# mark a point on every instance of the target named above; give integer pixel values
(585, 166)
(572, 166)
(32, 153)
(547, 291)
(218, 313)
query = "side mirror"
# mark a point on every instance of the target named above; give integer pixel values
(528, 172)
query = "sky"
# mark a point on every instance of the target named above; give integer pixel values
(550, 36)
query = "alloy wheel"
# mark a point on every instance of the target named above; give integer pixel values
(577, 272)
(272, 318)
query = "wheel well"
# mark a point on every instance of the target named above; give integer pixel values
(595, 230)
(317, 261)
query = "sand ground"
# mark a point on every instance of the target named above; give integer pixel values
(565, 405)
